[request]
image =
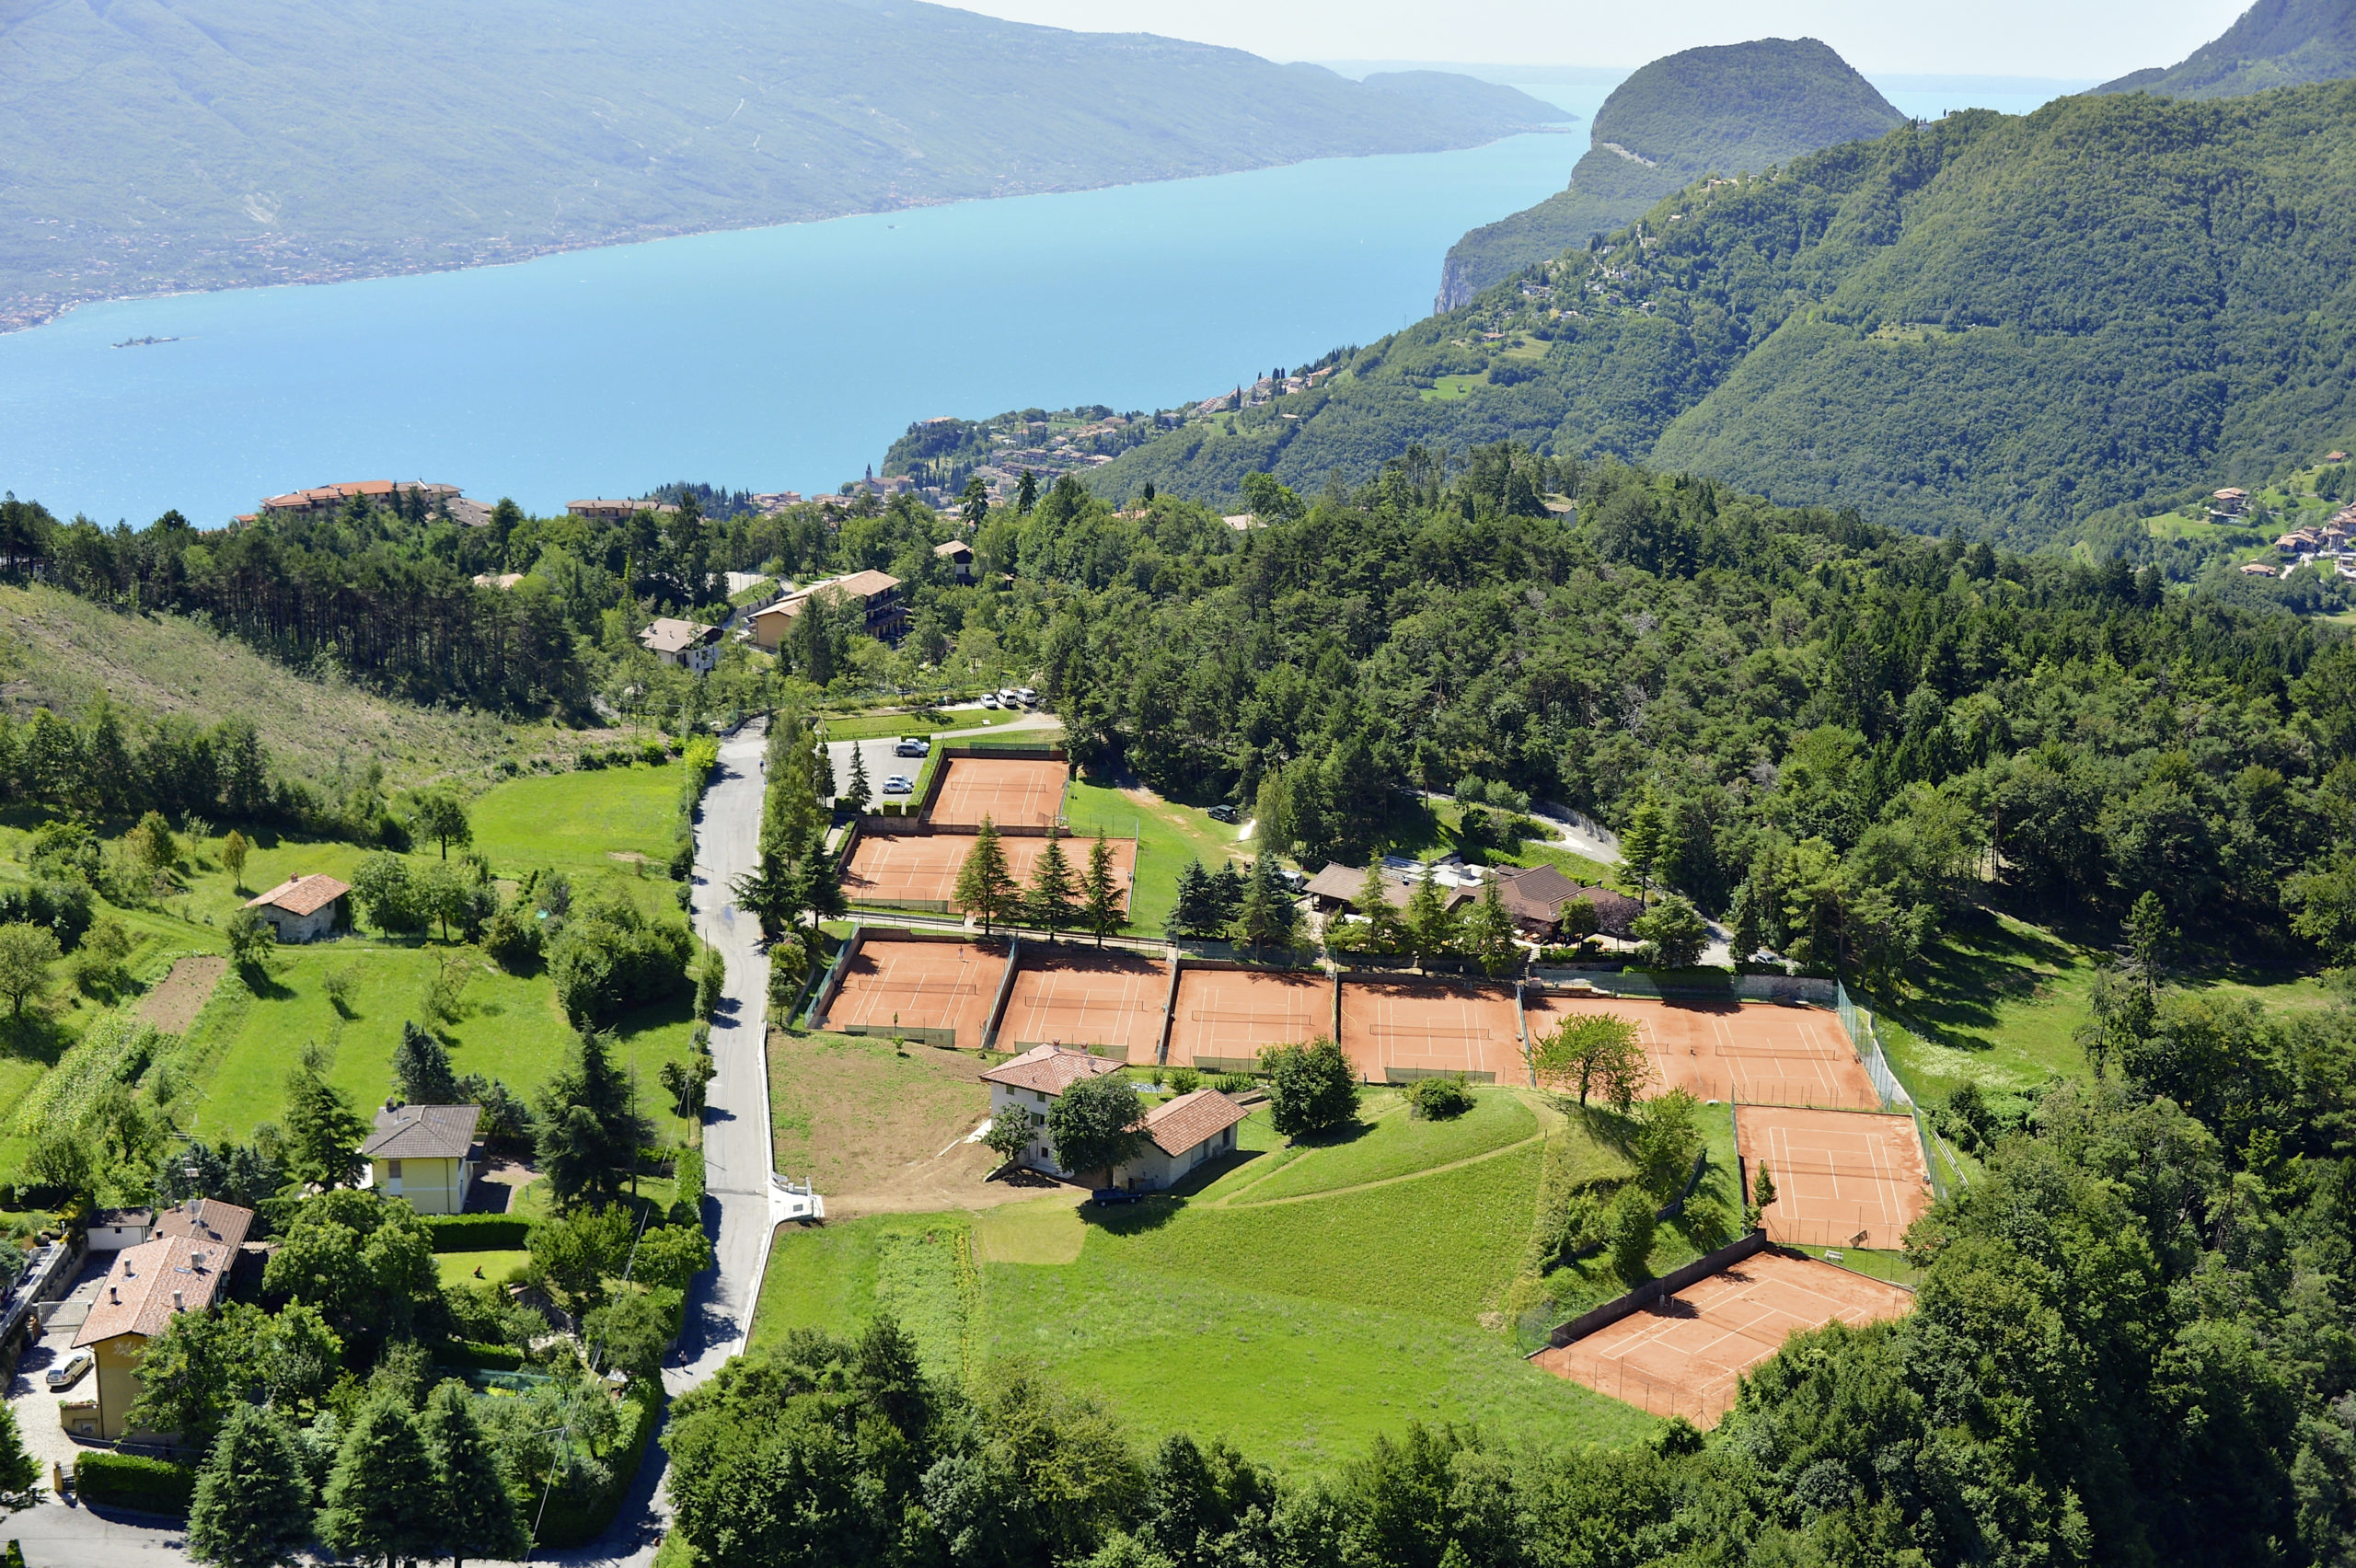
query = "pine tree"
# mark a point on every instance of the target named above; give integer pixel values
(859, 794)
(1428, 925)
(1026, 493)
(1641, 845)
(1054, 891)
(590, 1127)
(1489, 932)
(1226, 896)
(20, 1472)
(1381, 916)
(421, 1069)
(1268, 917)
(479, 1516)
(323, 1134)
(253, 1500)
(985, 886)
(1099, 896)
(1195, 910)
(383, 1498)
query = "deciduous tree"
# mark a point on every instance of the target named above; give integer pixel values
(1312, 1089)
(27, 953)
(1096, 1124)
(1593, 1050)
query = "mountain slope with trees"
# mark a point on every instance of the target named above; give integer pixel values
(1986, 324)
(215, 144)
(2275, 44)
(1737, 108)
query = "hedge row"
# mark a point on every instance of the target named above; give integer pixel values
(478, 1232)
(474, 1355)
(687, 1207)
(570, 1524)
(128, 1480)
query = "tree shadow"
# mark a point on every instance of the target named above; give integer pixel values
(1962, 980)
(36, 1036)
(1149, 1212)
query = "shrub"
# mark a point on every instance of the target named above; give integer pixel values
(63, 906)
(687, 1207)
(571, 1521)
(1672, 934)
(128, 1480)
(1438, 1099)
(1185, 1080)
(1311, 1088)
(1232, 1083)
(1632, 1225)
(477, 1356)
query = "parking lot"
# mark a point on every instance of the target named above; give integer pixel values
(29, 1398)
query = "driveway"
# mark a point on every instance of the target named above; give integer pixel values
(880, 765)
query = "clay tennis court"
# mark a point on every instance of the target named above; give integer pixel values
(1759, 1053)
(921, 985)
(1011, 791)
(1418, 1028)
(1685, 1355)
(1843, 1178)
(922, 868)
(1109, 1000)
(1226, 1016)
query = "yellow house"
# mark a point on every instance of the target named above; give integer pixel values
(427, 1154)
(183, 1268)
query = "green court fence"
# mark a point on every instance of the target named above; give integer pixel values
(1866, 1041)
(909, 1034)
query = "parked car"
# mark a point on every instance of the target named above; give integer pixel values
(1222, 813)
(68, 1372)
(990, 700)
(912, 745)
(1027, 695)
(1109, 1196)
(1292, 879)
(899, 784)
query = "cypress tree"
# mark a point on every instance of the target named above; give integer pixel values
(383, 1499)
(479, 1516)
(323, 1135)
(421, 1069)
(1100, 899)
(1054, 891)
(253, 1503)
(985, 886)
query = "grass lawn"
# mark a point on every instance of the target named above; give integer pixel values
(458, 1268)
(1168, 835)
(1389, 1143)
(1297, 1328)
(870, 726)
(578, 823)
(511, 1030)
(1450, 388)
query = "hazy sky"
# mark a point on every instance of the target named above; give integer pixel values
(2022, 38)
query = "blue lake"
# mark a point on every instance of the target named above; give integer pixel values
(778, 358)
(766, 359)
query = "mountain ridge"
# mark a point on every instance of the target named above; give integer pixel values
(1992, 325)
(162, 146)
(1727, 108)
(2275, 44)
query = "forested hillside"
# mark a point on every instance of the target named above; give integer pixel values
(1986, 324)
(1739, 109)
(2276, 43)
(215, 144)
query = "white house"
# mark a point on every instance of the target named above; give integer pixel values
(1180, 1134)
(682, 643)
(303, 909)
(1024, 1088)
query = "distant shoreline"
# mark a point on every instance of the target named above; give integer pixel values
(29, 315)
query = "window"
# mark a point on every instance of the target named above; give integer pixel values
(393, 1168)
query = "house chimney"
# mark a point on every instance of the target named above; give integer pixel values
(114, 1297)
(178, 1304)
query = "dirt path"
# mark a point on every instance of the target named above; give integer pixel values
(173, 1004)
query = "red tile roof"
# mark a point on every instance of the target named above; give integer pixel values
(1050, 1069)
(1177, 1125)
(139, 1295)
(206, 1219)
(424, 1132)
(300, 896)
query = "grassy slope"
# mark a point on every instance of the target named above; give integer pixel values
(1168, 834)
(577, 822)
(244, 1043)
(59, 652)
(1296, 1329)
(1389, 1143)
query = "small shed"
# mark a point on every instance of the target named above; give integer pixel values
(113, 1230)
(1180, 1135)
